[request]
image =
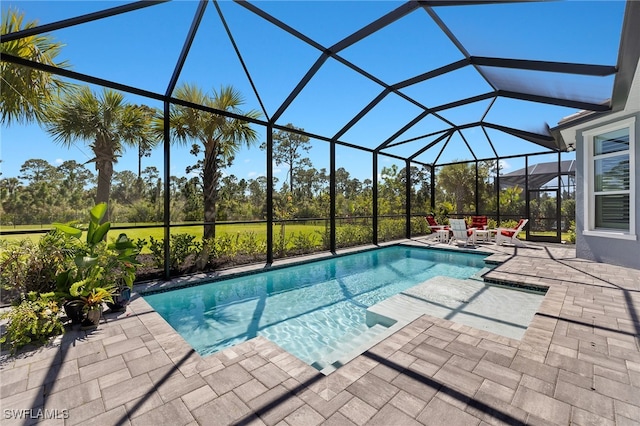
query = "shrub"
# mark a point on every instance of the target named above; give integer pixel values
(508, 223)
(140, 243)
(391, 229)
(304, 242)
(419, 226)
(140, 211)
(181, 246)
(157, 251)
(250, 244)
(26, 266)
(281, 241)
(443, 210)
(349, 236)
(572, 232)
(231, 245)
(568, 212)
(185, 247)
(222, 245)
(325, 237)
(34, 320)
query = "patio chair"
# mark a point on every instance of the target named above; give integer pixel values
(479, 222)
(440, 231)
(510, 235)
(433, 225)
(461, 232)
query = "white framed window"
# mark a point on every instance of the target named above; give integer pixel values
(609, 180)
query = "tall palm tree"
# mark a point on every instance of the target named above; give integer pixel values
(221, 137)
(27, 91)
(458, 183)
(146, 143)
(105, 121)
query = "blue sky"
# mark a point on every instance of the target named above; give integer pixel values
(140, 49)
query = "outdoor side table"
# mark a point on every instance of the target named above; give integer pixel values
(491, 237)
(484, 235)
(442, 235)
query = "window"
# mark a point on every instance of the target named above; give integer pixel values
(609, 180)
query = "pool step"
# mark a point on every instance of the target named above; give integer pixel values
(390, 315)
(438, 296)
(499, 310)
(478, 275)
(352, 346)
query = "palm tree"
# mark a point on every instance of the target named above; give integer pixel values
(106, 121)
(458, 182)
(27, 91)
(221, 137)
(145, 143)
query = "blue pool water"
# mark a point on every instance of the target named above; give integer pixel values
(307, 309)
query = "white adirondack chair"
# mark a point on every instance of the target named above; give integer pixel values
(461, 233)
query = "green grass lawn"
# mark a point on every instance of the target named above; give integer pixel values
(260, 230)
(158, 233)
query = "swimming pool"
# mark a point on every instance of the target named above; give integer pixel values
(310, 309)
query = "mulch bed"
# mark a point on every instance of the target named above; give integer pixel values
(148, 271)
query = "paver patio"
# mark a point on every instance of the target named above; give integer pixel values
(578, 363)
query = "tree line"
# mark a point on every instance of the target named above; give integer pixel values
(44, 193)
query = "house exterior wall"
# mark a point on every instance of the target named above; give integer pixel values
(602, 249)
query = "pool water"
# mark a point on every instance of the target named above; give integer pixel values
(308, 309)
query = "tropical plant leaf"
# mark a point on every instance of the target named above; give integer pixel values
(77, 288)
(91, 230)
(98, 211)
(85, 261)
(129, 254)
(61, 280)
(100, 232)
(122, 242)
(70, 230)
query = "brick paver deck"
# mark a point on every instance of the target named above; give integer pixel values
(578, 363)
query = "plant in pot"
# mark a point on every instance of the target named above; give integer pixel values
(100, 272)
(125, 265)
(86, 302)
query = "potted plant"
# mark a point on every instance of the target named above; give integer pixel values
(99, 271)
(86, 302)
(126, 265)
